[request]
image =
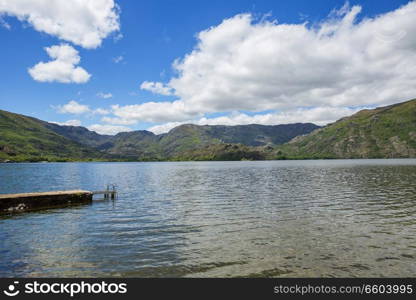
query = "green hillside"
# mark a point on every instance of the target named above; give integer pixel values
(144, 145)
(258, 135)
(190, 137)
(135, 145)
(27, 139)
(385, 132)
(79, 134)
(226, 152)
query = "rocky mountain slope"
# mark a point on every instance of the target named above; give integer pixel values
(25, 138)
(384, 132)
(145, 145)
(28, 139)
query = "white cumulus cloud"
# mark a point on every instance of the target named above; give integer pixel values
(318, 115)
(156, 87)
(62, 68)
(149, 112)
(69, 123)
(241, 65)
(73, 107)
(108, 129)
(101, 111)
(294, 72)
(83, 22)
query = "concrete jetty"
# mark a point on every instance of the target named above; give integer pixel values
(32, 201)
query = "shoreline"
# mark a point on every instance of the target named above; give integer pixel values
(243, 160)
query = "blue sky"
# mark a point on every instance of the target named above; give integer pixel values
(153, 34)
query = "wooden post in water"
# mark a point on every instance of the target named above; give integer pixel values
(113, 194)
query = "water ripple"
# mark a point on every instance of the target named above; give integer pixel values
(217, 219)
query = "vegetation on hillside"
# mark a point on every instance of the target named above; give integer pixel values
(226, 152)
(143, 145)
(385, 132)
(26, 139)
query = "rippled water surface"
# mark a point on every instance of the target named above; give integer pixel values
(216, 219)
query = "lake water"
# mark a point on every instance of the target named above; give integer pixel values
(216, 219)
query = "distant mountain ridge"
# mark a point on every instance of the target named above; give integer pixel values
(25, 138)
(143, 144)
(79, 134)
(384, 132)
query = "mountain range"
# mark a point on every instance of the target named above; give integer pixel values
(385, 132)
(24, 138)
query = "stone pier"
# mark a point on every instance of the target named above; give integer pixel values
(10, 203)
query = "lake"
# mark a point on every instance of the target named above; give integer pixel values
(341, 218)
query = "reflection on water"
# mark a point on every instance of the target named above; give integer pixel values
(217, 219)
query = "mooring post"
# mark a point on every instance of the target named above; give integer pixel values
(113, 194)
